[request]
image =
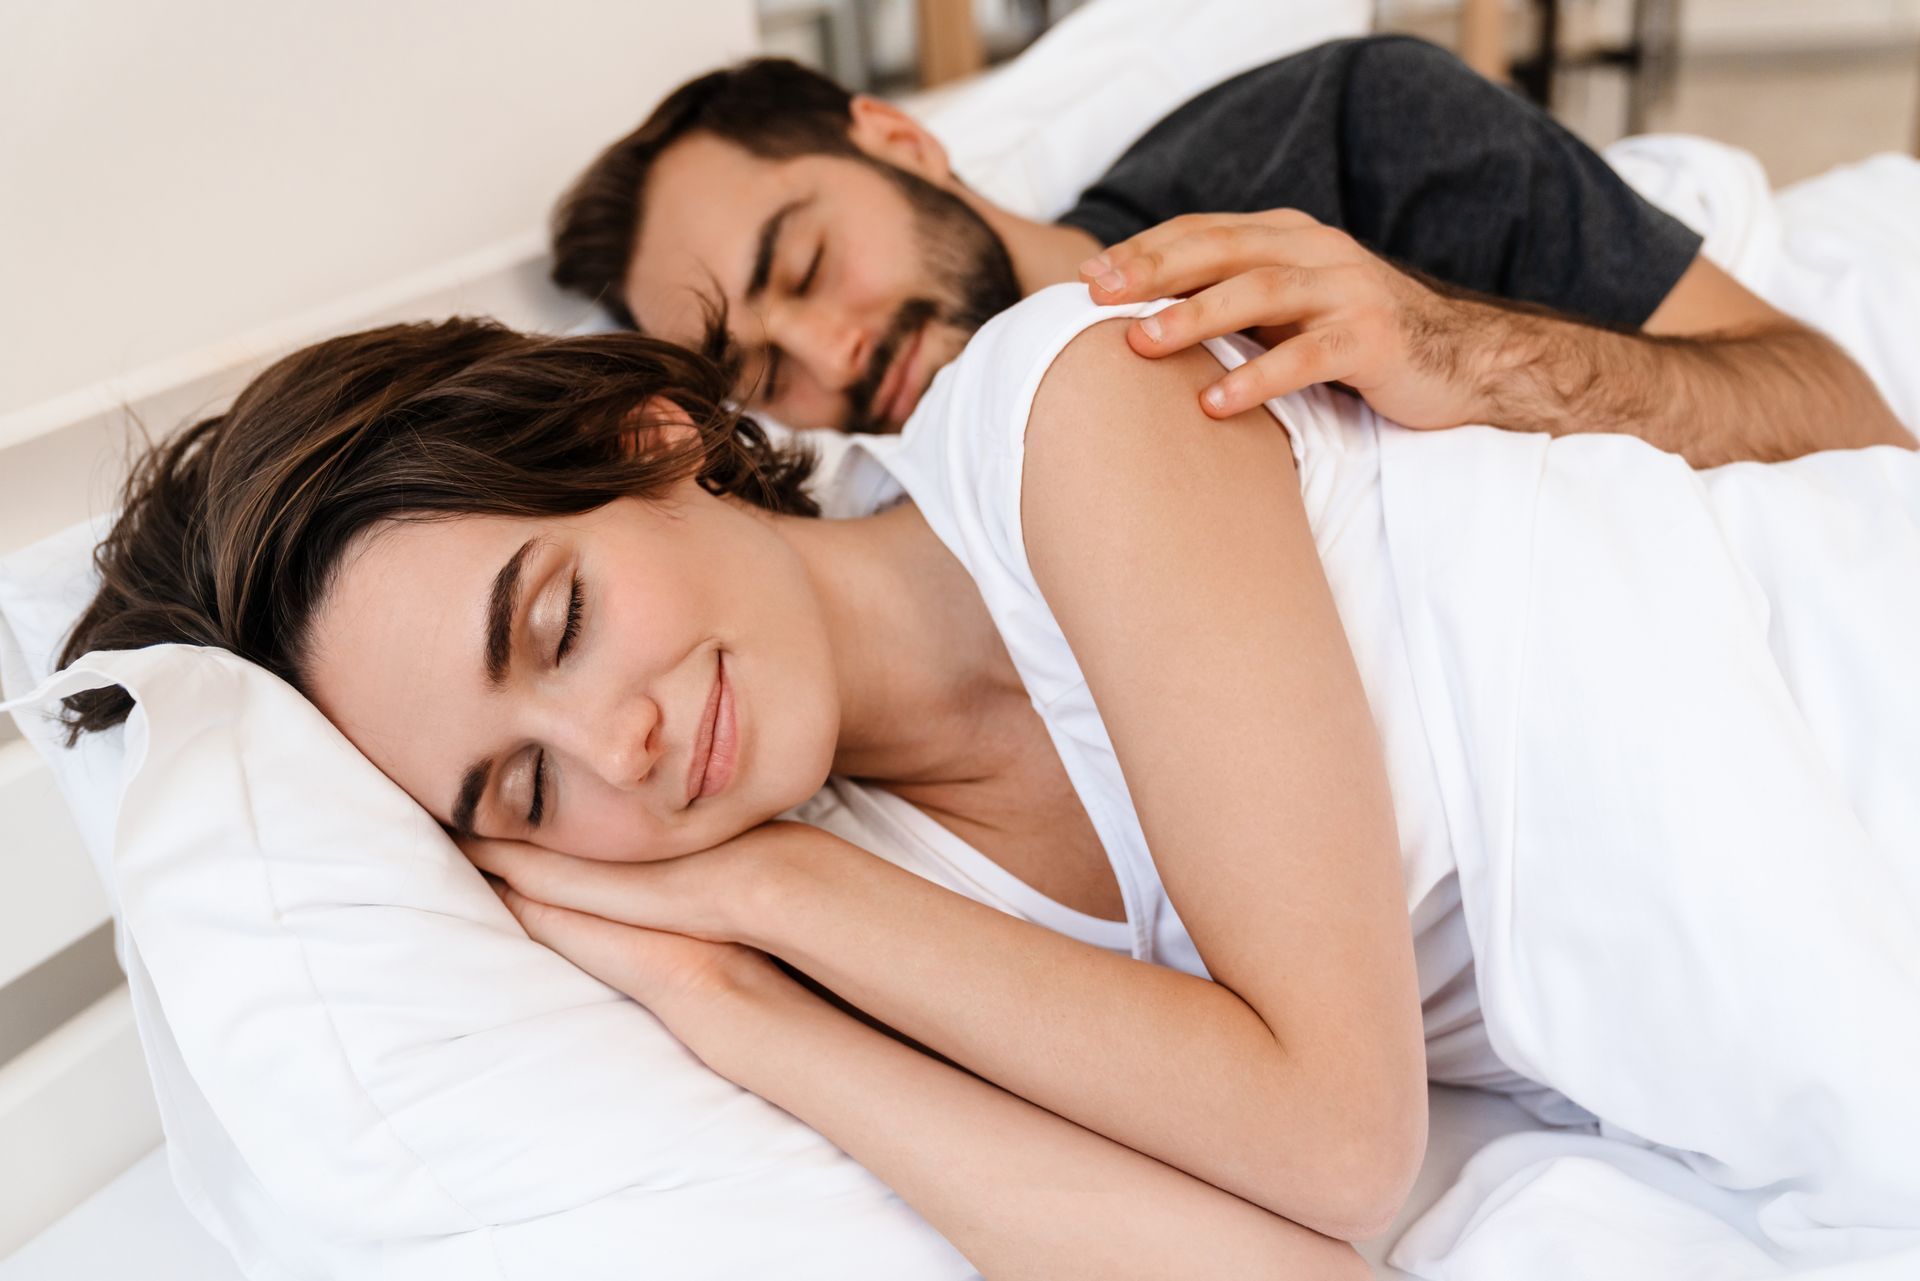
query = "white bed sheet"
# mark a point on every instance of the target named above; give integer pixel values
(137, 1229)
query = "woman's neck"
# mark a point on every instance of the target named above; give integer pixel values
(917, 658)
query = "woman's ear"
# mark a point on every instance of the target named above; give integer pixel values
(887, 133)
(658, 423)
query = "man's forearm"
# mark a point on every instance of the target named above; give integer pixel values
(1764, 395)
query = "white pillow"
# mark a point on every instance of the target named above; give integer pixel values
(364, 1069)
(1034, 134)
(42, 591)
(414, 1087)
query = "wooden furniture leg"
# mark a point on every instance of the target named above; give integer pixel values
(950, 47)
(1483, 37)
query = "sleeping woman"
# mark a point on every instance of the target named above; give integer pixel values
(1266, 717)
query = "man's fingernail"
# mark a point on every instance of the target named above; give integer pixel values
(1150, 326)
(1095, 265)
(1216, 397)
(1113, 282)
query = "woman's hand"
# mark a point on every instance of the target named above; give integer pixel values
(673, 934)
(667, 973)
(713, 896)
(1330, 310)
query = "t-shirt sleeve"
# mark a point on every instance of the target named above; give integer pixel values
(1420, 159)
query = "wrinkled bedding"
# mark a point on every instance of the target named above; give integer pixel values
(1678, 726)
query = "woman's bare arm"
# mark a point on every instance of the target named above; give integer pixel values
(1175, 552)
(1017, 1190)
(1176, 555)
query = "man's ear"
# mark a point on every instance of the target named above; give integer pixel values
(887, 133)
(658, 423)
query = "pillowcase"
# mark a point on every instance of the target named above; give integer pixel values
(364, 1068)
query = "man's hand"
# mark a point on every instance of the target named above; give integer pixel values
(1721, 376)
(1330, 310)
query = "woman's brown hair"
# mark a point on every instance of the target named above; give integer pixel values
(230, 532)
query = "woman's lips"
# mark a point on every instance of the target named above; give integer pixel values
(717, 750)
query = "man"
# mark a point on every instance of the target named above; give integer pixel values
(1372, 209)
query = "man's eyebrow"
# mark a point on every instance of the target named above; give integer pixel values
(502, 603)
(763, 253)
(472, 786)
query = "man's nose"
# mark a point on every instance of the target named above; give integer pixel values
(833, 345)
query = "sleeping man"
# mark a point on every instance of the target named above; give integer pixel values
(1371, 210)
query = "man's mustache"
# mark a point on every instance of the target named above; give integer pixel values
(914, 314)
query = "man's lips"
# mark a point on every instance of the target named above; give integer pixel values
(894, 388)
(716, 748)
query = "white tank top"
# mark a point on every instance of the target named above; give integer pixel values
(960, 460)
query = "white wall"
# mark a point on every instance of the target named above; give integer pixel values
(175, 174)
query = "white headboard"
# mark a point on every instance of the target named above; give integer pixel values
(206, 185)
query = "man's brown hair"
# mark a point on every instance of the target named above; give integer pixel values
(771, 107)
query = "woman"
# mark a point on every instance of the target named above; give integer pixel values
(519, 575)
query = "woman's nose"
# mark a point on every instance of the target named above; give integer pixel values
(624, 746)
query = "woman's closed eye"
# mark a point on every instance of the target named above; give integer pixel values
(538, 808)
(569, 634)
(576, 604)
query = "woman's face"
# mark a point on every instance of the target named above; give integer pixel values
(639, 682)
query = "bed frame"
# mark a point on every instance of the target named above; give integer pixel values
(76, 1108)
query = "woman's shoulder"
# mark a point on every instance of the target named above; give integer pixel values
(987, 391)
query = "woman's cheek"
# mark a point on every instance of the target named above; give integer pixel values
(614, 834)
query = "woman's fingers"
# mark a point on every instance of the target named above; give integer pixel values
(1197, 250)
(651, 966)
(617, 891)
(680, 895)
(1317, 356)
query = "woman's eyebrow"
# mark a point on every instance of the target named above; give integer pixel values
(472, 786)
(503, 602)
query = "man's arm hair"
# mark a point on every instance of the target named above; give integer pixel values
(1766, 388)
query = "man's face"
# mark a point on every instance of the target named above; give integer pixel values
(845, 283)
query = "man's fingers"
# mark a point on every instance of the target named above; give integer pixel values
(1262, 298)
(1318, 356)
(1191, 253)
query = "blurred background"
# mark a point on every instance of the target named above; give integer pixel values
(1804, 84)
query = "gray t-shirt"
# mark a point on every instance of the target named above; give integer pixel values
(1421, 160)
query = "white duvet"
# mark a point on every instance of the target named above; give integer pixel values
(1676, 717)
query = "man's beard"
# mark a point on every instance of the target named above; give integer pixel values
(971, 272)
